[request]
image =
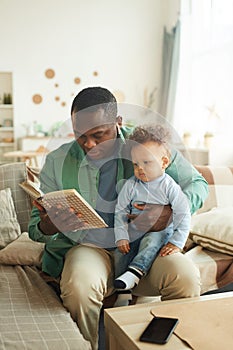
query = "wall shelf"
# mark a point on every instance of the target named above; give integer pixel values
(7, 130)
(6, 106)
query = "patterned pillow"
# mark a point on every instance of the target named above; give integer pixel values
(9, 226)
(10, 176)
(23, 251)
(213, 230)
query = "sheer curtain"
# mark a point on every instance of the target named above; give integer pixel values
(204, 89)
(171, 48)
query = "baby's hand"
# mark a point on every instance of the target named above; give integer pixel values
(169, 249)
(123, 246)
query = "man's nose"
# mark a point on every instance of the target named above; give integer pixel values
(90, 143)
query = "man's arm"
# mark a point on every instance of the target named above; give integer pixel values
(38, 215)
(192, 183)
(33, 228)
(154, 217)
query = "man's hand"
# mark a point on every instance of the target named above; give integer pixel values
(169, 249)
(154, 217)
(123, 246)
(57, 219)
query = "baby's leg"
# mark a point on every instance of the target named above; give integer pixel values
(149, 248)
(121, 265)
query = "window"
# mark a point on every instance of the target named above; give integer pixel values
(204, 91)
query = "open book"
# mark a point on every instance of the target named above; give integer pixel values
(66, 199)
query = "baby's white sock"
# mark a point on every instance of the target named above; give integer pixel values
(129, 279)
(123, 299)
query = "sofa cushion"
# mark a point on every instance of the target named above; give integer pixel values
(215, 268)
(10, 176)
(32, 316)
(22, 251)
(9, 226)
(214, 230)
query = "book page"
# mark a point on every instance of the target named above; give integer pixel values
(32, 189)
(66, 199)
(71, 198)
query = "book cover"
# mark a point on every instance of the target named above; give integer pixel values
(65, 198)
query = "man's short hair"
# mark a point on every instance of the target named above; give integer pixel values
(94, 98)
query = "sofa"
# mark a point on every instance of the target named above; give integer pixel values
(32, 315)
(210, 243)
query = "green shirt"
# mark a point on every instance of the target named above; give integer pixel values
(67, 167)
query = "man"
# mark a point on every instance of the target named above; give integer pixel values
(94, 165)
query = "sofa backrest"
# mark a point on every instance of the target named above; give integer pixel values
(10, 176)
(220, 180)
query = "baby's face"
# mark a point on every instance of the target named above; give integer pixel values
(149, 160)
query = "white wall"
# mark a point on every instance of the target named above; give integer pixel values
(121, 40)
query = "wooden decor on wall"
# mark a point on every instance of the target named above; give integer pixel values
(49, 73)
(37, 98)
(77, 80)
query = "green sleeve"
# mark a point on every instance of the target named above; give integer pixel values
(190, 180)
(48, 184)
(34, 232)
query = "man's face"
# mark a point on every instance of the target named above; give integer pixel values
(93, 134)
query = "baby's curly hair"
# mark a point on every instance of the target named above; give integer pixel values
(150, 132)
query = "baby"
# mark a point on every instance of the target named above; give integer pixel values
(150, 184)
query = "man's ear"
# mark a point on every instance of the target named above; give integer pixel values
(119, 121)
(166, 162)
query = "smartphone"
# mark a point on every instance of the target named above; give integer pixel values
(159, 330)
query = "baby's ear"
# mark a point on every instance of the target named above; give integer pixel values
(166, 161)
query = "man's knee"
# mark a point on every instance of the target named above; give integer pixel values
(177, 277)
(78, 286)
(173, 276)
(86, 273)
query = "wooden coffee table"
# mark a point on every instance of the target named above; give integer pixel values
(124, 325)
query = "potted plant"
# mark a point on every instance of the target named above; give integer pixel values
(208, 139)
(187, 138)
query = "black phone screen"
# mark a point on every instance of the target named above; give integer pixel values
(159, 330)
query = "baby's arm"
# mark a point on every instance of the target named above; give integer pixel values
(181, 219)
(121, 219)
(123, 246)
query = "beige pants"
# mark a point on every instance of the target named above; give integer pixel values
(87, 278)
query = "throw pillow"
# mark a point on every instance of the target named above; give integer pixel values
(9, 226)
(213, 230)
(10, 176)
(23, 251)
